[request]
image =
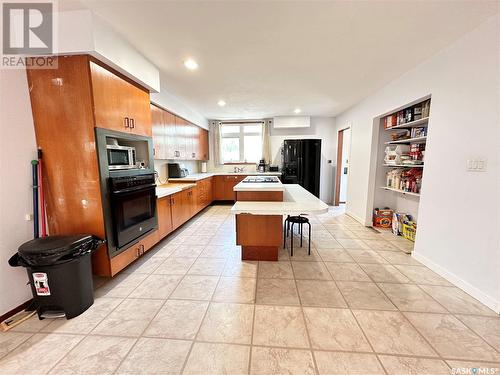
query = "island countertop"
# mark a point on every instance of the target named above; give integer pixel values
(296, 200)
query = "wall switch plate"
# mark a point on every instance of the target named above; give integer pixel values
(476, 165)
(28, 217)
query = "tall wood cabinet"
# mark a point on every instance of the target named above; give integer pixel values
(177, 138)
(67, 104)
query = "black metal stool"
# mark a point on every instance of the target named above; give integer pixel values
(300, 220)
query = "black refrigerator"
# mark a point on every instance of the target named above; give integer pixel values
(302, 163)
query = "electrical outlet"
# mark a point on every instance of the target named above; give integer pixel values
(476, 165)
(28, 217)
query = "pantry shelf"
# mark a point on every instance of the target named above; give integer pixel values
(403, 165)
(408, 141)
(400, 191)
(413, 124)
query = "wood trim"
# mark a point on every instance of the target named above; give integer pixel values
(260, 196)
(340, 145)
(15, 310)
(268, 253)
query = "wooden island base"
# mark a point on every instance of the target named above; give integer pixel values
(269, 253)
(259, 236)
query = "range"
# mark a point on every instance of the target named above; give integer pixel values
(261, 179)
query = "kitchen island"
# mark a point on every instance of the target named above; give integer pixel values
(261, 203)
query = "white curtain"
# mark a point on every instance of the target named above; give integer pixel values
(266, 143)
(216, 141)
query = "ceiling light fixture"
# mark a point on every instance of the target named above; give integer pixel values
(221, 103)
(190, 64)
(297, 110)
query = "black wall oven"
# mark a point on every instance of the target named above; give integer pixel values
(133, 207)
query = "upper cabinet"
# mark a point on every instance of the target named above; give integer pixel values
(118, 104)
(176, 138)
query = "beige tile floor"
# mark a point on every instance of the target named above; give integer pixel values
(358, 305)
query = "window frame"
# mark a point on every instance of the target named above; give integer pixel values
(241, 137)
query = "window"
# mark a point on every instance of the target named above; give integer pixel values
(241, 142)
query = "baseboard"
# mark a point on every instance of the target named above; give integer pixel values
(15, 310)
(355, 217)
(458, 282)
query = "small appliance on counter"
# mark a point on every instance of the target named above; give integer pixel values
(175, 171)
(274, 168)
(203, 167)
(262, 166)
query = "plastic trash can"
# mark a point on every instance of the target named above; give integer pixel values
(60, 273)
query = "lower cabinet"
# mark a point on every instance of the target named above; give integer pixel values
(134, 252)
(164, 216)
(224, 185)
(177, 209)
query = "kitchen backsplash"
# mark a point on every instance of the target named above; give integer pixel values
(162, 169)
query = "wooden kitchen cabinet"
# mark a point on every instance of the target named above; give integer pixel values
(118, 104)
(181, 140)
(158, 130)
(134, 252)
(223, 187)
(229, 183)
(203, 144)
(177, 208)
(164, 210)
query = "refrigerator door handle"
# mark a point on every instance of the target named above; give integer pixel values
(299, 170)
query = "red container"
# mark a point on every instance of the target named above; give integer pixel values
(382, 218)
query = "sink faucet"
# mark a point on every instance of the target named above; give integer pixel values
(238, 170)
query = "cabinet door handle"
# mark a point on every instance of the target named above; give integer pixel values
(127, 122)
(194, 155)
(132, 123)
(138, 254)
(143, 250)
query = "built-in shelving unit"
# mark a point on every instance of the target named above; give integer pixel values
(412, 124)
(398, 182)
(400, 191)
(403, 165)
(407, 141)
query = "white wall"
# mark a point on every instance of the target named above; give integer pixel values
(458, 233)
(17, 149)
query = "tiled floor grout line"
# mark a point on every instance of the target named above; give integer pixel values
(253, 319)
(316, 368)
(357, 322)
(473, 330)
(411, 324)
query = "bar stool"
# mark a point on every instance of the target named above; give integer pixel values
(300, 220)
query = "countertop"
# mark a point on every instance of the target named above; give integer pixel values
(259, 186)
(296, 200)
(201, 176)
(171, 188)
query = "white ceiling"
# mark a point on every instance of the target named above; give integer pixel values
(266, 58)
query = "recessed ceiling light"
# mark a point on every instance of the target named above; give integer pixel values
(297, 110)
(190, 64)
(221, 103)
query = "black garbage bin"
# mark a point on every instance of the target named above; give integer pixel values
(60, 273)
